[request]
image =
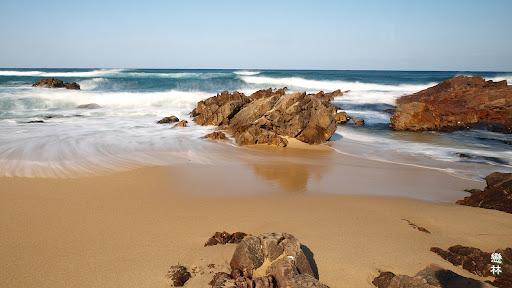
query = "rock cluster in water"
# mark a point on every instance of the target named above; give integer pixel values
(56, 83)
(458, 103)
(269, 116)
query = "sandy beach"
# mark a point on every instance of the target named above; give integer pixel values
(124, 229)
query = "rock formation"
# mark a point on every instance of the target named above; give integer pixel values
(276, 255)
(458, 103)
(181, 124)
(225, 238)
(268, 116)
(432, 276)
(341, 117)
(56, 83)
(88, 106)
(216, 135)
(178, 275)
(497, 194)
(168, 120)
(479, 263)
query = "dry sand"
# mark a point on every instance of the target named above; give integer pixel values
(125, 229)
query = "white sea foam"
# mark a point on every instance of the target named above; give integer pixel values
(246, 73)
(359, 92)
(93, 73)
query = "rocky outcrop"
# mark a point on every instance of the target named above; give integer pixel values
(168, 120)
(478, 262)
(432, 276)
(458, 103)
(269, 116)
(328, 96)
(225, 238)
(178, 275)
(88, 106)
(218, 110)
(497, 194)
(56, 83)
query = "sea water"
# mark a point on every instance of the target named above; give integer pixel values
(123, 133)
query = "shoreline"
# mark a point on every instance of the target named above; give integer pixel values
(125, 229)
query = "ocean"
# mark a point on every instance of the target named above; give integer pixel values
(123, 132)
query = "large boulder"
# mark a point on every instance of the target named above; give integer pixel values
(56, 83)
(178, 275)
(219, 109)
(253, 251)
(497, 194)
(458, 103)
(168, 120)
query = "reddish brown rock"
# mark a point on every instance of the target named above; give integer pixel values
(328, 96)
(497, 195)
(56, 83)
(286, 274)
(225, 237)
(181, 124)
(478, 262)
(265, 93)
(432, 276)
(218, 110)
(458, 103)
(168, 120)
(341, 117)
(178, 275)
(357, 121)
(216, 135)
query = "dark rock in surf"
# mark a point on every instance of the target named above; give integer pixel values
(35, 121)
(56, 83)
(357, 121)
(168, 120)
(89, 106)
(181, 124)
(458, 103)
(496, 195)
(216, 135)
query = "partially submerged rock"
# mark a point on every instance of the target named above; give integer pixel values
(432, 276)
(225, 238)
(357, 121)
(341, 117)
(178, 275)
(329, 96)
(181, 124)
(216, 135)
(268, 116)
(89, 106)
(168, 120)
(458, 103)
(56, 83)
(497, 194)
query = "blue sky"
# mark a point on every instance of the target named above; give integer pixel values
(403, 35)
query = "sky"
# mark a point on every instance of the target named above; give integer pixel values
(281, 34)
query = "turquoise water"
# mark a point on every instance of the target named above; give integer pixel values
(123, 131)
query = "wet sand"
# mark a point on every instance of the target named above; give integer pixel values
(125, 229)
